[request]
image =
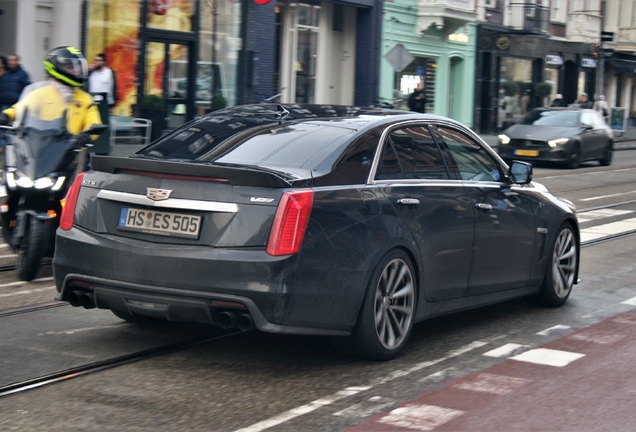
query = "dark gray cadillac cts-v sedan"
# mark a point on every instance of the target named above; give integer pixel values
(318, 220)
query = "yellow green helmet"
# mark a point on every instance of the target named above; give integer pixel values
(67, 64)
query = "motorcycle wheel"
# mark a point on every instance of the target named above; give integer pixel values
(31, 249)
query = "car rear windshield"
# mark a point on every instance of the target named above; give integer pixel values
(272, 145)
(552, 118)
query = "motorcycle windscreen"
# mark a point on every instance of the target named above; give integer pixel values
(42, 146)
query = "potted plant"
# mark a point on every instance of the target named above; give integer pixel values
(153, 108)
(543, 90)
(218, 102)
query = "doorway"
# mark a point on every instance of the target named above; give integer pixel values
(168, 73)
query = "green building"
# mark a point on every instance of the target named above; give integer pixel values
(441, 41)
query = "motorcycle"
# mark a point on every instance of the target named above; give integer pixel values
(41, 161)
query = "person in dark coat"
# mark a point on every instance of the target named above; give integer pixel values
(12, 82)
(558, 101)
(417, 100)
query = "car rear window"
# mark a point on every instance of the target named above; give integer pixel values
(552, 118)
(286, 145)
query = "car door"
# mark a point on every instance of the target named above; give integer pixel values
(505, 227)
(413, 176)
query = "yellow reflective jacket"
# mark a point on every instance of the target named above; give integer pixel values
(47, 104)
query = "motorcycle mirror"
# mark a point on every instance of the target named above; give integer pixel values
(96, 129)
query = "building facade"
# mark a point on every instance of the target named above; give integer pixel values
(432, 42)
(200, 55)
(527, 52)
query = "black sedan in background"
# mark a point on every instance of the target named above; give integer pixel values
(320, 220)
(564, 135)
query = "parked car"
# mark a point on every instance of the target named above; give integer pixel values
(565, 135)
(318, 220)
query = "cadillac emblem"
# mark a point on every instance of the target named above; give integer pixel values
(158, 194)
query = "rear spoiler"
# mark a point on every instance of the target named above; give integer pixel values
(236, 176)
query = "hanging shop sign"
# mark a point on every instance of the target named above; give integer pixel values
(588, 62)
(553, 59)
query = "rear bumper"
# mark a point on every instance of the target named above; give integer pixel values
(186, 283)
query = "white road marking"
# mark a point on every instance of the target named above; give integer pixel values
(606, 196)
(69, 332)
(438, 376)
(605, 230)
(631, 301)
(3, 245)
(350, 391)
(31, 291)
(592, 314)
(365, 409)
(420, 417)
(19, 283)
(548, 357)
(547, 331)
(301, 410)
(597, 337)
(504, 350)
(600, 214)
(8, 256)
(492, 384)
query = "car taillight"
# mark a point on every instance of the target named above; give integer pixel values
(70, 202)
(290, 222)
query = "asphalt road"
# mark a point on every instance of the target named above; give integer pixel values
(457, 373)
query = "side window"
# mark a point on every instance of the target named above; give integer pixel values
(389, 166)
(471, 160)
(354, 165)
(417, 155)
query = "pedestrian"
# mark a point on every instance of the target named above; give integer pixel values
(558, 101)
(12, 82)
(3, 65)
(583, 101)
(601, 107)
(525, 103)
(417, 99)
(101, 79)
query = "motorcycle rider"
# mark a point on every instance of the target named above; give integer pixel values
(68, 70)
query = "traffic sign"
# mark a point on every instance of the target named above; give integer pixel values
(399, 57)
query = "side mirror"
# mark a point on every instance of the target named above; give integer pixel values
(96, 129)
(520, 172)
(586, 126)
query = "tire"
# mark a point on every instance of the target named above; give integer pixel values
(561, 270)
(30, 249)
(388, 310)
(138, 319)
(606, 160)
(573, 162)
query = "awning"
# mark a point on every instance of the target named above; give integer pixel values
(622, 65)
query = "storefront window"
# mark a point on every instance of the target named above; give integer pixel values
(552, 77)
(219, 46)
(515, 81)
(175, 15)
(113, 29)
(421, 69)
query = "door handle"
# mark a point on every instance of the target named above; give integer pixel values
(483, 206)
(408, 201)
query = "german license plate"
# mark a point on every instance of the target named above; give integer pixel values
(159, 223)
(530, 153)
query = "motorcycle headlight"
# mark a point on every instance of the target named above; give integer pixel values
(55, 183)
(556, 142)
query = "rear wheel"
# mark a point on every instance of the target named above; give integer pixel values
(388, 311)
(561, 271)
(30, 249)
(606, 160)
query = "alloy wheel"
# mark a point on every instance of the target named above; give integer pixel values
(394, 303)
(564, 263)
